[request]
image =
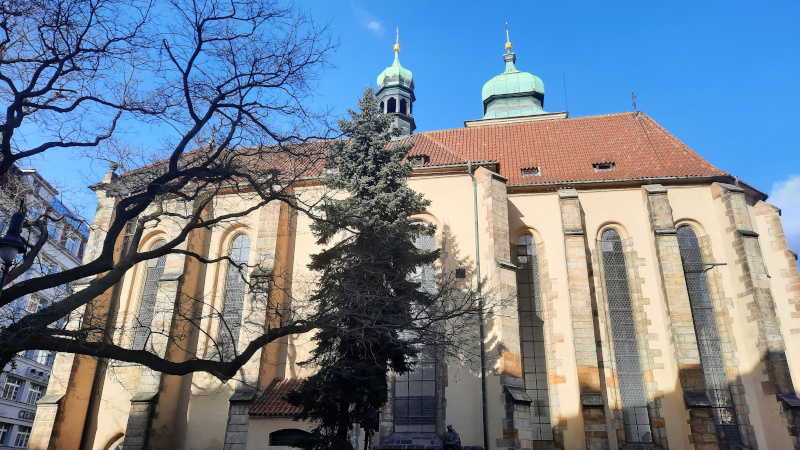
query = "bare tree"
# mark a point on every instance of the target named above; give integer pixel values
(227, 79)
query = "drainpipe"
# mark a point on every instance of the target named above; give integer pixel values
(480, 300)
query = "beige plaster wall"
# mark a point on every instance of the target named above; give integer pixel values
(451, 211)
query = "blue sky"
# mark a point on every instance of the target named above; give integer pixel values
(721, 76)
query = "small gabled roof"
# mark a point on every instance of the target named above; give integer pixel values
(271, 402)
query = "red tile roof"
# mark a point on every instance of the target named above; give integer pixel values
(566, 149)
(271, 402)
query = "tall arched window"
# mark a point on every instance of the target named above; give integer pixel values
(531, 326)
(383, 108)
(391, 105)
(415, 402)
(403, 105)
(705, 328)
(623, 334)
(155, 269)
(235, 289)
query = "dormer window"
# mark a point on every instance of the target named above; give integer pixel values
(419, 160)
(603, 166)
(534, 171)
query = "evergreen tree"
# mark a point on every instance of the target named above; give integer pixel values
(366, 281)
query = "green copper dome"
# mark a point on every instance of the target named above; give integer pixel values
(513, 93)
(396, 75)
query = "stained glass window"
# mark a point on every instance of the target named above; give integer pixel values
(155, 269)
(235, 289)
(415, 392)
(623, 334)
(531, 325)
(705, 327)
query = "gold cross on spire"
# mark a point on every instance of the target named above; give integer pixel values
(508, 41)
(397, 41)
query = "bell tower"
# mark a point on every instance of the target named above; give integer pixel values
(396, 93)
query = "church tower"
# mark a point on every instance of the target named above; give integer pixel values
(513, 93)
(396, 93)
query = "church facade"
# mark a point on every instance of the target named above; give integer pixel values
(656, 302)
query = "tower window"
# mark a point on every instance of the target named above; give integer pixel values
(403, 106)
(392, 106)
(383, 108)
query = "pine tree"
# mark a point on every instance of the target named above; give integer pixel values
(366, 281)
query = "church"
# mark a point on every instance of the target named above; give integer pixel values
(655, 306)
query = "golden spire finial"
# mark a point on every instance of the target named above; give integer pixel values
(508, 41)
(397, 41)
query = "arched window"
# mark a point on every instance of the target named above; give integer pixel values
(391, 106)
(623, 334)
(155, 269)
(415, 401)
(289, 437)
(531, 326)
(235, 289)
(383, 108)
(403, 105)
(705, 328)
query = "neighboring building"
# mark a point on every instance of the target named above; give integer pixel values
(655, 300)
(24, 382)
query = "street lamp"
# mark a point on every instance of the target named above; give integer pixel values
(11, 245)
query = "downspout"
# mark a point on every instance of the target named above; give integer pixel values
(480, 300)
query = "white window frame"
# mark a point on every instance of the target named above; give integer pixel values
(34, 393)
(14, 384)
(22, 436)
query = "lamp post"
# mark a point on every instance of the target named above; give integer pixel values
(11, 244)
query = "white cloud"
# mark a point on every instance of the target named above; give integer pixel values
(786, 196)
(368, 20)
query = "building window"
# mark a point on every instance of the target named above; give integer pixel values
(287, 438)
(5, 431)
(23, 434)
(403, 105)
(415, 402)
(35, 392)
(531, 172)
(383, 107)
(33, 304)
(531, 324)
(603, 166)
(155, 269)
(418, 160)
(625, 344)
(705, 328)
(11, 387)
(391, 105)
(235, 289)
(54, 231)
(72, 245)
